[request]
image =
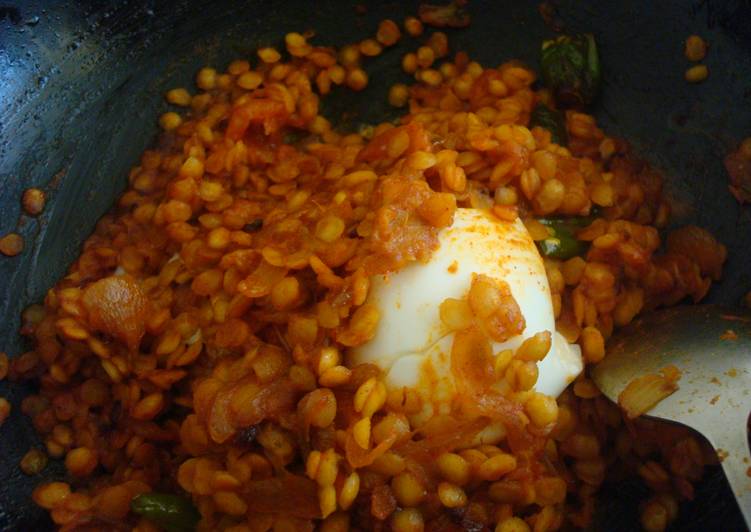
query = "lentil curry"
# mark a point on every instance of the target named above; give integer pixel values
(191, 363)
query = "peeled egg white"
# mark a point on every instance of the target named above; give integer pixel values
(413, 346)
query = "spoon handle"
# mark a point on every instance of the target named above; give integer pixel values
(736, 471)
(732, 447)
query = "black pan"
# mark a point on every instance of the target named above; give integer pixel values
(81, 84)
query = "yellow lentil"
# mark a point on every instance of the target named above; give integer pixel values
(33, 201)
(695, 49)
(408, 520)
(413, 26)
(33, 462)
(11, 244)
(398, 95)
(697, 74)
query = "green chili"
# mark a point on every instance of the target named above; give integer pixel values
(571, 69)
(171, 512)
(562, 242)
(552, 120)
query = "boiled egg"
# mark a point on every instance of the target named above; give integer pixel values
(413, 346)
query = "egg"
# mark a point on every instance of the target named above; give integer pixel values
(412, 346)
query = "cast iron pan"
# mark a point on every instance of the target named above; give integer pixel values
(81, 86)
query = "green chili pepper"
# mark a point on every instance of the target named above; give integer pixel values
(571, 69)
(171, 512)
(562, 243)
(552, 120)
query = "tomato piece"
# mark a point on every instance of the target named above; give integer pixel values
(270, 113)
(117, 307)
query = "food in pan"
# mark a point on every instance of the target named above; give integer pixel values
(285, 326)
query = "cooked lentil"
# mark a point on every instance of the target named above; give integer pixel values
(4, 365)
(697, 74)
(398, 95)
(695, 48)
(4, 409)
(11, 244)
(33, 201)
(413, 26)
(214, 363)
(33, 462)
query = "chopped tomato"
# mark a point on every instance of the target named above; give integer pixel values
(117, 307)
(270, 113)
